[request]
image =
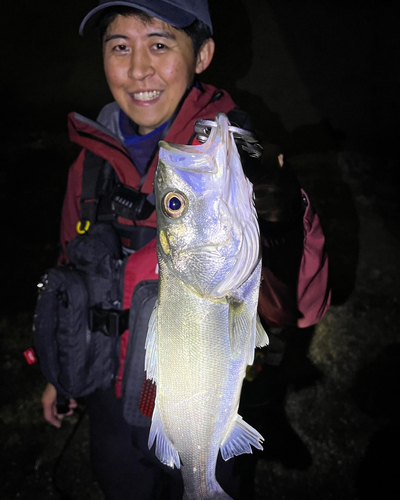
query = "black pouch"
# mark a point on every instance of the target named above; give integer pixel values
(142, 305)
(78, 318)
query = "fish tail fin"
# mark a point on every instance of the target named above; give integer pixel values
(261, 335)
(240, 439)
(165, 451)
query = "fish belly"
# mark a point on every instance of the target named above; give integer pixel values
(198, 384)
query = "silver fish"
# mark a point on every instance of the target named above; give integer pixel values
(204, 326)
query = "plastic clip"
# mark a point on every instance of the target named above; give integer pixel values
(79, 228)
(244, 138)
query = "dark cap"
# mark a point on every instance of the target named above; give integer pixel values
(177, 13)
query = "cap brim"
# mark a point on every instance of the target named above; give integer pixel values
(169, 14)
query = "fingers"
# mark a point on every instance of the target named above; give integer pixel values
(71, 405)
(49, 403)
(50, 415)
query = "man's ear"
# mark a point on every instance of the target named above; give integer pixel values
(205, 55)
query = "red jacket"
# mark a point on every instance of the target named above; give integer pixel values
(88, 134)
(313, 295)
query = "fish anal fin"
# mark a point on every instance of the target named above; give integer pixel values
(240, 439)
(261, 335)
(150, 363)
(164, 450)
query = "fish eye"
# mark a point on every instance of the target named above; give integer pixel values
(174, 205)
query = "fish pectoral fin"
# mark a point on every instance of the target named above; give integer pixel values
(165, 451)
(150, 363)
(261, 335)
(240, 439)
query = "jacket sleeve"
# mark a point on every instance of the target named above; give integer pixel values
(313, 290)
(70, 213)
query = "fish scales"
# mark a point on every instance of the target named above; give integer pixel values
(204, 326)
(200, 397)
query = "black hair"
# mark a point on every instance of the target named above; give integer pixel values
(198, 32)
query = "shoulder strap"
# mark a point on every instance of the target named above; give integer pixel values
(92, 167)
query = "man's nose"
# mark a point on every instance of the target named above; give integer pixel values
(141, 65)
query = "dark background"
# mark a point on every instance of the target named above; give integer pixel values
(319, 78)
(314, 76)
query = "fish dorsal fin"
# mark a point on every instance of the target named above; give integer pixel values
(240, 439)
(150, 362)
(261, 335)
(164, 451)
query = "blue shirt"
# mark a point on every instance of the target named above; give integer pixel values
(142, 148)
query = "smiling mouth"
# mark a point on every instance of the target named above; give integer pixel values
(146, 96)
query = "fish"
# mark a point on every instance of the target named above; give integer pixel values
(204, 327)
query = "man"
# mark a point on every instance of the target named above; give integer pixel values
(153, 52)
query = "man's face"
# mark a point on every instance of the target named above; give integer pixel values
(148, 67)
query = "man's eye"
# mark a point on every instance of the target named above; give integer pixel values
(159, 46)
(120, 48)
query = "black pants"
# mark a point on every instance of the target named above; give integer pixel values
(124, 466)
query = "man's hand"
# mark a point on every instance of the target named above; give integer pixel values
(49, 403)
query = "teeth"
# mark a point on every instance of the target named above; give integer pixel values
(146, 96)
